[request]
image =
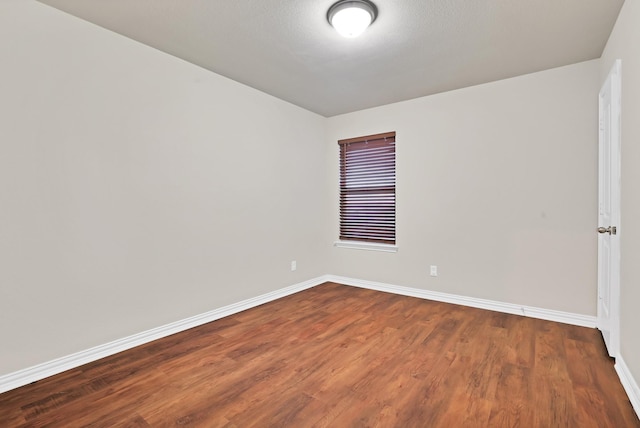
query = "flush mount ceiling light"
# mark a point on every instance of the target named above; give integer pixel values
(351, 17)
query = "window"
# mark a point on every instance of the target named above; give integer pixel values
(368, 189)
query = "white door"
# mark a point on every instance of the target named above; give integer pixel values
(609, 212)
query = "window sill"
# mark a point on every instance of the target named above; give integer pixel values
(370, 246)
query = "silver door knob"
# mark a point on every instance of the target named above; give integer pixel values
(611, 230)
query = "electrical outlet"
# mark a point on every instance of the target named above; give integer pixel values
(294, 265)
(434, 270)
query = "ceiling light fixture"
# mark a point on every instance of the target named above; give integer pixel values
(351, 17)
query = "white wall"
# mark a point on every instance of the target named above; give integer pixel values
(623, 43)
(496, 185)
(137, 189)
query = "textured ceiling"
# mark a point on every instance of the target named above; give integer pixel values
(415, 48)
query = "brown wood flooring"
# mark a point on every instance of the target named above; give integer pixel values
(339, 356)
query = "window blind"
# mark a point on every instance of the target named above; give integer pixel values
(368, 188)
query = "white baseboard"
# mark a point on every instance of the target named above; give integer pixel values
(32, 374)
(509, 308)
(629, 383)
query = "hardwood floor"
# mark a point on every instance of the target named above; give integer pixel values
(338, 356)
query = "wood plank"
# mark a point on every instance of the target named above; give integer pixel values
(341, 356)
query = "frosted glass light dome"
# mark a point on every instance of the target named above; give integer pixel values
(351, 17)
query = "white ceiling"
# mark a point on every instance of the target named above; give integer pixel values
(416, 47)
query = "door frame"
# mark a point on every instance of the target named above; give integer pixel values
(612, 84)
